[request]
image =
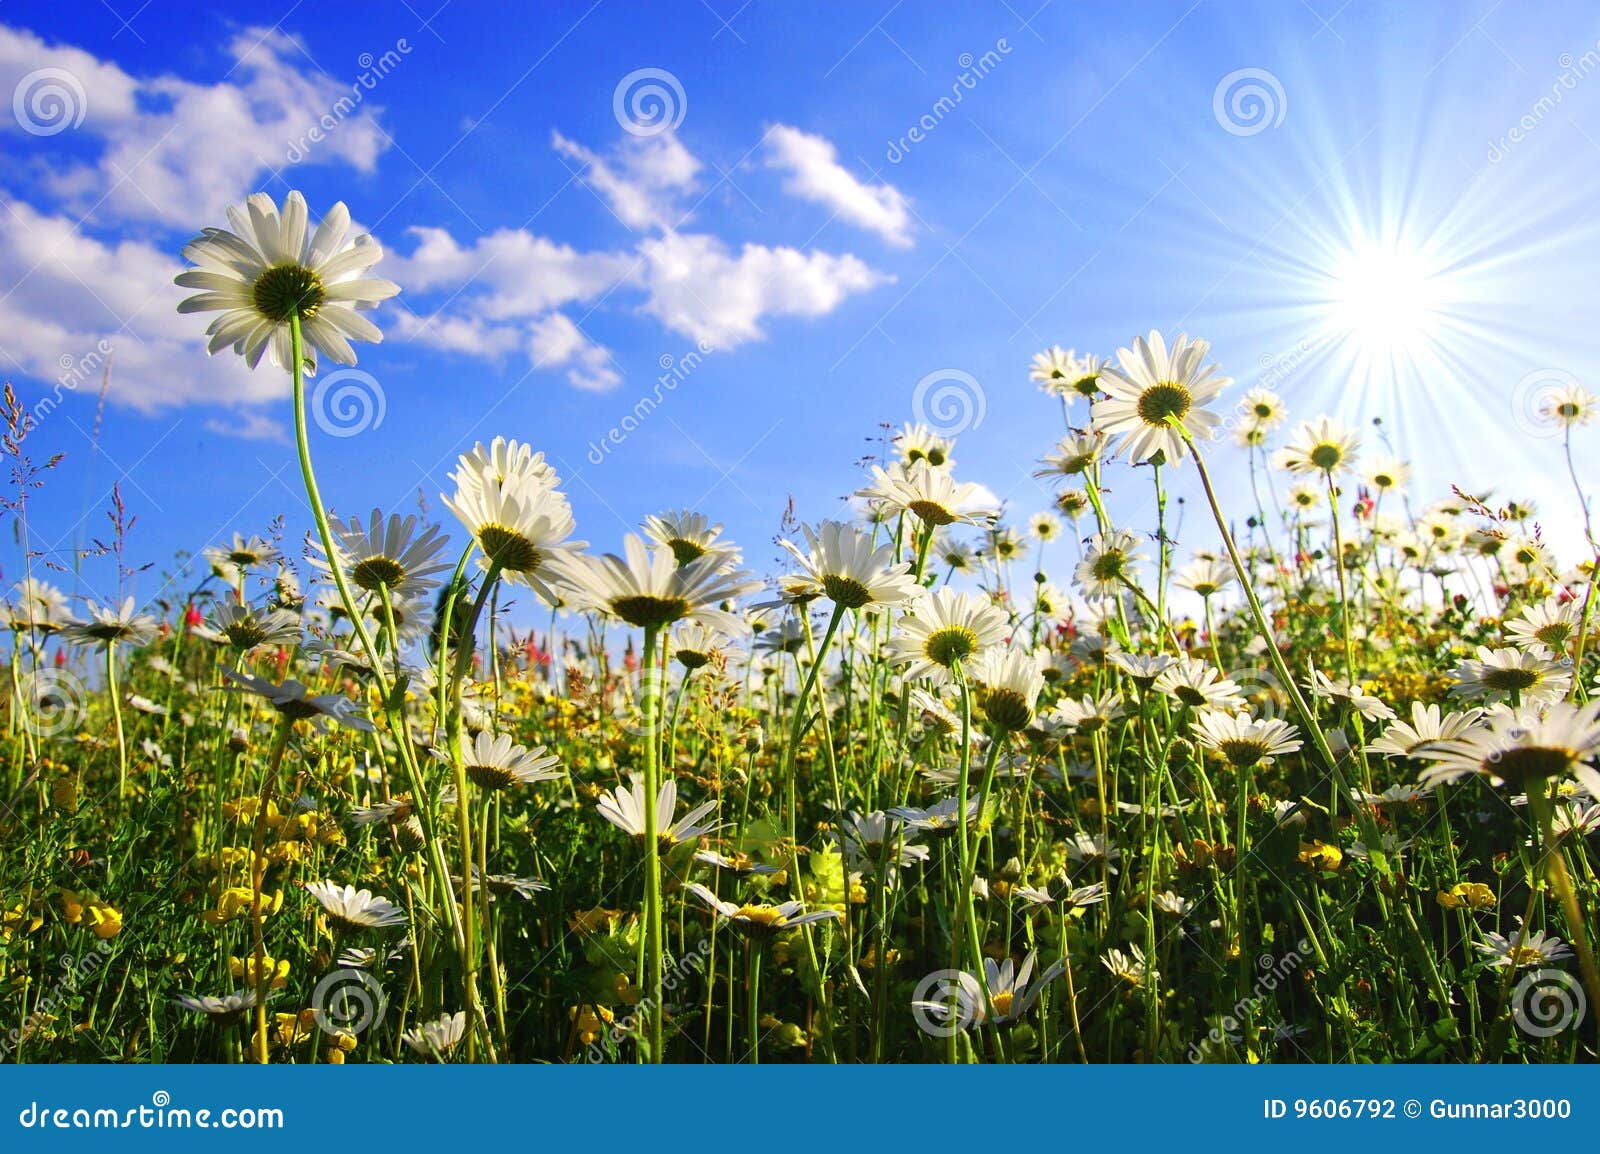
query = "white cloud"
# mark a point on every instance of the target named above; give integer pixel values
(175, 151)
(642, 178)
(554, 340)
(158, 156)
(74, 293)
(693, 283)
(698, 287)
(510, 272)
(251, 427)
(815, 174)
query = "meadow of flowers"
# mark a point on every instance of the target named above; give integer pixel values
(953, 787)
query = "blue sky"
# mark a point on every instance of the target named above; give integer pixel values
(1094, 181)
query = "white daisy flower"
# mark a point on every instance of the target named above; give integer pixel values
(1130, 967)
(245, 628)
(1243, 741)
(1010, 681)
(1321, 446)
(648, 588)
(225, 1008)
(1150, 390)
(624, 808)
(1498, 674)
(1012, 993)
(1088, 714)
(759, 921)
(1062, 373)
(1074, 456)
(1522, 949)
(268, 269)
(1207, 577)
(437, 1038)
(1197, 684)
(689, 535)
(1569, 405)
(388, 554)
(520, 523)
(1352, 694)
(1522, 747)
(496, 762)
(844, 566)
(1387, 472)
(917, 442)
(1109, 563)
(942, 628)
(1428, 725)
(353, 909)
(1551, 625)
(695, 644)
(1262, 409)
(243, 554)
(112, 626)
(931, 494)
(293, 701)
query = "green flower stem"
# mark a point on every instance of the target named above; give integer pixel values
(1338, 569)
(787, 775)
(469, 915)
(348, 602)
(116, 717)
(1263, 626)
(1555, 861)
(654, 967)
(752, 1015)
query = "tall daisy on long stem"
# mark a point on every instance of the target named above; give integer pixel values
(648, 589)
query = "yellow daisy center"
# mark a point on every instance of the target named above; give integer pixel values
(1164, 400)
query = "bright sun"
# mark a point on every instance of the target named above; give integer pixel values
(1385, 300)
